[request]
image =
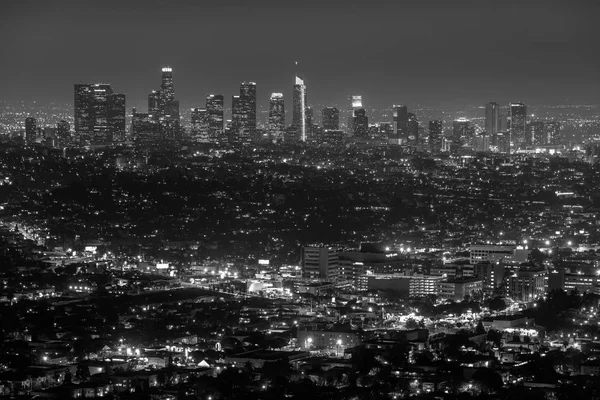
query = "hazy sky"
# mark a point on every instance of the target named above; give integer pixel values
(428, 52)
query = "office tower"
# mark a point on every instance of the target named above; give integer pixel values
(199, 125)
(552, 134)
(276, 125)
(481, 143)
(101, 108)
(167, 91)
(492, 118)
(400, 120)
(435, 136)
(330, 118)
(360, 123)
(84, 109)
(63, 131)
(309, 122)
(503, 142)
(169, 123)
(116, 115)
(240, 132)
(30, 129)
(299, 109)
(248, 106)
(503, 123)
(355, 103)
(143, 127)
(463, 133)
(214, 106)
(518, 119)
(412, 128)
(535, 133)
(320, 262)
(154, 104)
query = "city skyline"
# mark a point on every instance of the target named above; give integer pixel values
(549, 62)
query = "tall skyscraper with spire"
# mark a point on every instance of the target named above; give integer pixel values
(299, 109)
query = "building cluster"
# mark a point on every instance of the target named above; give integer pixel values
(100, 120)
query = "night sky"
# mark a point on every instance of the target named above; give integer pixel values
(428, 52)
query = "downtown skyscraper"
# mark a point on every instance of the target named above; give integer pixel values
(400, 125)
(214, 107)
(243, 110)
(299, 105)
(518, 122)
(492, 118)
(199, 125)
(330, 117)
(99, 113)
(276, 124)
(435, 136)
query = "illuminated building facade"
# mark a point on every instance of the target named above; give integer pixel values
(30, 130)
(214, 107)
(518, 120)
(276, 125)
(199, 125)
(330, 117)
(360, 123)
(299, 105)
(400, 121)
(435, 136)
(492, 118)
(320, 262)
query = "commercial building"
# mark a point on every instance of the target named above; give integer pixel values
(488, 253)
(30, 130)
(435, 136)
(518, 121)
(330, 118)
(335, 339)
(400, 123)
(458, 289)
(214, 107)
(526, 284)
(320, 262)
(199, 125)
(299, 109)
(276, 125)
(492, 118)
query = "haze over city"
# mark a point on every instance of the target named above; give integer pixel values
(433, 53)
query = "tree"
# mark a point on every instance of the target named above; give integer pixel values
(68, 378)
(480, 329)
(497, 304)
(83, 372)
(411, 323)
(488, 378)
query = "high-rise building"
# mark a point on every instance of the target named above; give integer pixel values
(240, 132)
(30, 129)
(355, 103)
(492, 118)
(360, 123)
(331, 118)
(320, 262)
(400, 120)
(481, 143)
(552, 134)
(276, 125)
(214, 106)
(248, 106)
(435, 136)
(412, 128)
(102, 130)
(154, 104)
(299, 109)
(462, 133)
(169, 122)
(199, 125)
(84, 109)
(518, 120)
(116, 115)
(535, 133)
